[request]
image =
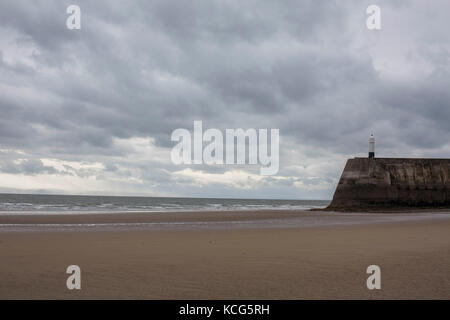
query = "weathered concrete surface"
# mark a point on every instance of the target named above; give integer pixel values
(393, 182)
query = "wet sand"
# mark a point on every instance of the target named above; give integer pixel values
(285, 261)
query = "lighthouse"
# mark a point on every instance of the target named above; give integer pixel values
(371, 147)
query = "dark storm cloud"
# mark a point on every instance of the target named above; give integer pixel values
(210, 52)
(28, 166)
(145, 68)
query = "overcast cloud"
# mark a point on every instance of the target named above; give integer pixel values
(91, 111)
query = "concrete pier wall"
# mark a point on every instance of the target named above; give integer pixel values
(393, 182)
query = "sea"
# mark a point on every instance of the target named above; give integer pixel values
(79, 204)
(22, 205)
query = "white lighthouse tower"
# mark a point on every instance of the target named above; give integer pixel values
(371, 147)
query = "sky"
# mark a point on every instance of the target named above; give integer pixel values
(91, 111)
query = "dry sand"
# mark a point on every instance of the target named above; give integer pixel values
(271, 263)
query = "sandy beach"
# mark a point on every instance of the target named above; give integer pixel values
(226, 255)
